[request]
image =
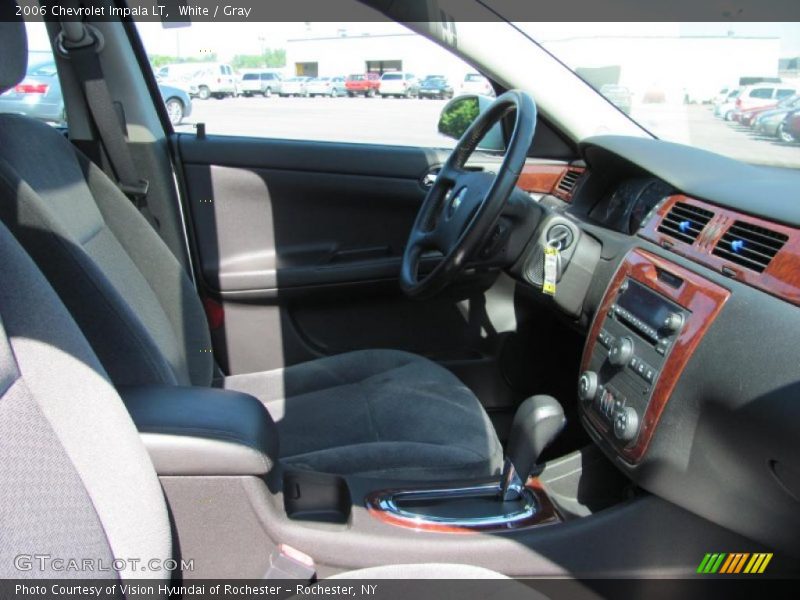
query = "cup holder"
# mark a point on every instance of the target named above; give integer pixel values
(316, 497)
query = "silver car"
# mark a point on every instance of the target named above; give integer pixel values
(265, 83)
(326, 86)
(38, 95)
(295, 86)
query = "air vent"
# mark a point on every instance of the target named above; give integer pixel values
(749, 245)
(568, 181)
(685, 222)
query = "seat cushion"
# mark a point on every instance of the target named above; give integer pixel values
(376, 413)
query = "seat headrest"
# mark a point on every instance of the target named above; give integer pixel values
(13, 46)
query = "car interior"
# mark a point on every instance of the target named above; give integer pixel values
(572, 358)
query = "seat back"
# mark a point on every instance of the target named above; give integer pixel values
(75, 480)
(129, 294)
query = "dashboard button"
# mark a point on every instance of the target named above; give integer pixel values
(626, 424)
(588, 386)
(673, 322)
(621, 352)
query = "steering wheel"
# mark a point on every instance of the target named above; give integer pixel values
(462, 206)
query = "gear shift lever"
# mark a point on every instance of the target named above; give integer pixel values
(538, 421)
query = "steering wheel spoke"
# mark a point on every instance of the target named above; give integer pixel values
(461, 207)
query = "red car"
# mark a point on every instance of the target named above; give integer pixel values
(362, 84)
(747, 117)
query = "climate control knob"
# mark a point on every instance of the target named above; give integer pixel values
(626, 424)
(587, 386)
(621, 352)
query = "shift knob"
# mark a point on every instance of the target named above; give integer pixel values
(538, 422)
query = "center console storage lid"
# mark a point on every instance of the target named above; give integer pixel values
(203, 431)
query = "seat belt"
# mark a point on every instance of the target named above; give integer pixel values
(81, 45)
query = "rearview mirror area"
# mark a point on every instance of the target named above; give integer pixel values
(461, 112)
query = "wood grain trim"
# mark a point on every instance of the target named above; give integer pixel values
(540, 179)
(703, 298)
(546, 515)
(781, 278)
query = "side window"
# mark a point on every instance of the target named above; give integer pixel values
(38, 95)
(761, 93)
(354, 56)
(785, 94)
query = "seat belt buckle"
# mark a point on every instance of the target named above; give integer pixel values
(286, 562)
(135, 191)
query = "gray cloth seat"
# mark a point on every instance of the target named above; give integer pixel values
(370, 412)
(393, 414)
(75, 480)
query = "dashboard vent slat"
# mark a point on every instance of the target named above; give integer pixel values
(749, 245)
(685, 222)
(568, 181)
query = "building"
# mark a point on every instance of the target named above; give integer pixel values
(345, 54)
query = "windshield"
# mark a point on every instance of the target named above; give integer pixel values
(684, 82)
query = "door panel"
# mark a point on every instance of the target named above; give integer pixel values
(301, 243)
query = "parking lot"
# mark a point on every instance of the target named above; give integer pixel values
(365, 120)
(413, 123)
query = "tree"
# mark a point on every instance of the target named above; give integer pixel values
(458, 117)
(159, 60)
(270, 58)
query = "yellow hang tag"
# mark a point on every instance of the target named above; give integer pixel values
(550, 270)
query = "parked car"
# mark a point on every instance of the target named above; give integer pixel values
(435, 87)
(39, 96)
(725, 107)
(654, 95)
(177, 101)
(762, 94)
(327, 86)
(399, 84)
(789, 129)
(265, 83)
(362, 84)
(181, 75)
(295, 86)
(475, 83)
(214, 79)
(750, 116)
(721, 96)
(619, 96)
(769, 121)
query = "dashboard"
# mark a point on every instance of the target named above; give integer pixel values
(691, 369)
(626, 205)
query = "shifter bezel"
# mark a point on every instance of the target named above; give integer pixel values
(535, 508)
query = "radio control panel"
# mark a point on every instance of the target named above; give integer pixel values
(631, 348)
(639, 342)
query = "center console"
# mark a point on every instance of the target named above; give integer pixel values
(651, 319)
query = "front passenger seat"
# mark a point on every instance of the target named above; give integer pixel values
(76, 483)
(374, 413)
